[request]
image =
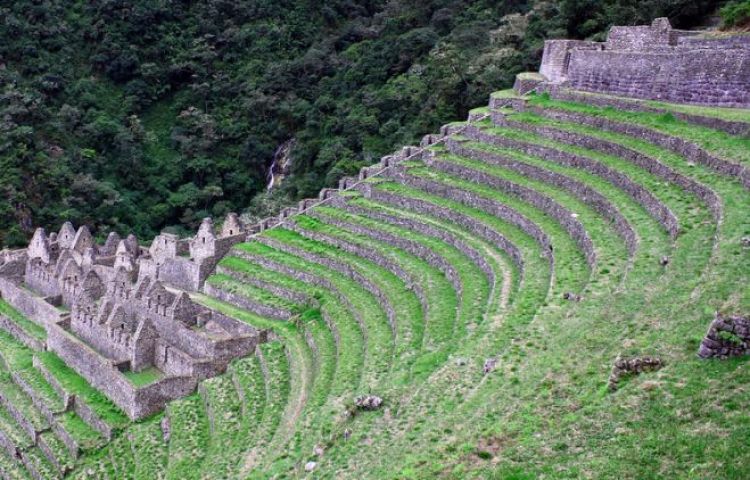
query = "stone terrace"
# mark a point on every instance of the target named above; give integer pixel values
(413, 282)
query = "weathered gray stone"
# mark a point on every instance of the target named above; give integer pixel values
(727, 336)
(368, 402)
(624, 367)
(655, 62)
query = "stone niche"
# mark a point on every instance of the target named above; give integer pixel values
(727, 336)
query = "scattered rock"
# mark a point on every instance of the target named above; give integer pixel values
(572, 297)
(347, 434)
(745, 242)
(166, 428)
(664, 261)
(460, 362)
(489, 365)
(318, 451)
(310, 466)
(632, 366)
(368, 402)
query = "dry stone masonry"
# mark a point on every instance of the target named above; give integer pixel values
(728, 336)
(655, 62)
(119, 308)
(133, 320)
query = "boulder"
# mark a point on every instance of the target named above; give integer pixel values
(368, 402)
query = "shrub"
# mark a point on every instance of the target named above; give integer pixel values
(736, 14)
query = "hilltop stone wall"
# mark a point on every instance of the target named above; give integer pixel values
(655, 62)
(716, 77)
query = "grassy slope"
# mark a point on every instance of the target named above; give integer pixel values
(545, 411)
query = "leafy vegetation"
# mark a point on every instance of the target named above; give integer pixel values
(136, 116)
(736, 14)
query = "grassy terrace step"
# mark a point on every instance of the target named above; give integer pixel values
(455, 384)
(505, 276)
(570, 265)
(85, 437)
(298, 375)
(538, 200)
(346, 303)
(731, 196)
(28, 327)
(520, 239)
(691, 211)
(594, 139)
(34, 398)
(16, 400)
(475, 289)
(189, 437)
(19, 360)
(56, 451)
(276, 370)
(38, 465)
(149, 448)
(99, 467)
(581, 160)
(484, 411)
(724, 145)
(254, 299)
(630, 315)
(13, 432)
(677, 281)
(379, 346)
(247, 375)
(74, 384)
(121, 456)
(647, 228)
(12, 469)
(523, 171)
(441, 298)
(693, 153)
(338, 362)
(348, 341)
(722, 113)
(321, 339)
(223, 405)
(609, 248)
(667, 194)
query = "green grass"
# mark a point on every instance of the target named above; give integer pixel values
(59, 450)
(188, 438)
(719, 143)
(73, 383)
(249, 291)
(148, 446)
(440, 295)
(470, 306)
(723, 113)
(545, 411)
(32, 329)
(374, 322)
(144, 377)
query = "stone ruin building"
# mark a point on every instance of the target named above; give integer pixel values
(655, 62)
(119, 307)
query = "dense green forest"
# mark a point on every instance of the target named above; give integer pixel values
(145, 114)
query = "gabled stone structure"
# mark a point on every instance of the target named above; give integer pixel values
(118, 308)
(655, 62)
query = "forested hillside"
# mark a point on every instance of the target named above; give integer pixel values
(145, 114)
